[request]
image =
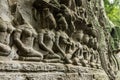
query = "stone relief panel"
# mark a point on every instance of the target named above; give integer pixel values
(56, 35)
(24, 36)
(50, 31)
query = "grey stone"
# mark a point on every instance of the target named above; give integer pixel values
(56, 40)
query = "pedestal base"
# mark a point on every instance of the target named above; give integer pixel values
(17, 70)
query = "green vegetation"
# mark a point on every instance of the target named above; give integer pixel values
(113, 10)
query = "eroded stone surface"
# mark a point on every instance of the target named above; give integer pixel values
(56, 40)
(48, 71)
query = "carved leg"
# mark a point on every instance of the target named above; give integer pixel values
(92, 60)
(85, 60)
(68, 58)
(22, 58)
(33, 55)
(98, 63)
(52, 58)
(77, 59)
(4, 49)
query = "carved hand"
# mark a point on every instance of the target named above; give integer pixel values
(51, 52)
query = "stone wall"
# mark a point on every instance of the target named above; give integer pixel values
(56, 40)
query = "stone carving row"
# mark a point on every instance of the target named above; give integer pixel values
(57, 38)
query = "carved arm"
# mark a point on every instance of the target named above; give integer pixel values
(57, 44)
(40, 38)
(18, 42)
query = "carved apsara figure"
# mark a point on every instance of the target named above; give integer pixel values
(46, 41)
(69, 16)
(5, 32)
(49, 20)
(62, 39)
(78, 55)
(92, 58)
(46, 37)
(98, 62)
(86, 55)
(24, 37)
(61, 21)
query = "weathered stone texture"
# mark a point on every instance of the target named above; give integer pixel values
(48, 71)
(56, 40)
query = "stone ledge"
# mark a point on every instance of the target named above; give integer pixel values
(51, 76)
(19, 66)
(18, 70)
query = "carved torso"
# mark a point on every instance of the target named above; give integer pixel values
(78, 36)
(63, 39)
(27, 37)
(5, 32)
(49, 38)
